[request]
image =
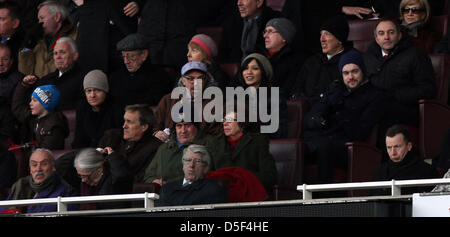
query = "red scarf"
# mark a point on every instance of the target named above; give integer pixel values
(233, 142)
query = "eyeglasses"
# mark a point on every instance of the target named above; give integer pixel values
(87, 176)
(269, 32)
(130, 57)
(197, 161)
(414, 10)
(189, 78)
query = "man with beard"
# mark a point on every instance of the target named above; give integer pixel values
(347, 111)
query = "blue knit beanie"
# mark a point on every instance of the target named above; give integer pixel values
(354, 57)
(48, 96)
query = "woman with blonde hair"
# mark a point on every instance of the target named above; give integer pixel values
(415, 16)
(202, 48)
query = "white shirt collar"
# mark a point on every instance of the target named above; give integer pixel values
(330, 56)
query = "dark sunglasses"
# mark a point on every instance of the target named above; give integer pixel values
(414, 10)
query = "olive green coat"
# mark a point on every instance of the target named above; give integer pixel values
(251, 153)
(167, 163)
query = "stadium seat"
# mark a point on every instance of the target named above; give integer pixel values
(441, 66)
(231, 69)
(276, 5)
(362, 159)
(288, 160)
(215, 32)
(59, 153)
(296, 112)
(143, 188)
(439, 24)
(71, 119)
(434, 121)
(361, 33)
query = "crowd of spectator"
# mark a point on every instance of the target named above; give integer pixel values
(116, 63)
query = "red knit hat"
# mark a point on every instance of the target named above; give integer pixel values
(206, 43)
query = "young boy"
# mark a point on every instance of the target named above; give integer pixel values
(47, 127)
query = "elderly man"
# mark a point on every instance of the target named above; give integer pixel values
(102, 174)
(11, 32)
(138, 81)
(68, 76)
(194, 188)
(395, 65)
(403, 164)
(43, 182)
(347, 111)
(279, 35)
(135, 141)
(192, 74)
(54, 18)
(166, 166)
(242, 31)
(321, 69)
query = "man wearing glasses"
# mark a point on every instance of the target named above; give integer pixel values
(138, 81)
(404, 163)
(165, 165)
(279, 35)
(194, 188)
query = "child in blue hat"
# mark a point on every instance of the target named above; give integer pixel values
(46, 126)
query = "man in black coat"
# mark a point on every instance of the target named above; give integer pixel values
(348, 111)
(404, 164)
(279, 35)
(403, 71)
(194, 188)
(68, 76)
(11, 31)
(135, 141)
(242, 31)
(138, 81)
(101, 24)
(168, 25)
(321, 69)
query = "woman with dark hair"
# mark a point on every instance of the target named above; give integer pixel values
(256, 72)
(415, 16)
(238, 147)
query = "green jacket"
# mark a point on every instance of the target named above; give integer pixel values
(251, 153)
(166, 163)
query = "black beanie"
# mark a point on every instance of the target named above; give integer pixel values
(338, 26)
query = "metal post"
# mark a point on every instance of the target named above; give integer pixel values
(395, 190)
(60, 205)
(148, 202)
(307, 195)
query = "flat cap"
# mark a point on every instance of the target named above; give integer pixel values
(132, 42)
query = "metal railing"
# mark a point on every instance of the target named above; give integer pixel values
(394, 185)
(62, 202)
(149, 198)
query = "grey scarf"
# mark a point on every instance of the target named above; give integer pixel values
(249, 36)
(413, 27)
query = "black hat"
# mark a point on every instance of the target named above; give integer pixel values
(338, 26)
(132, 42)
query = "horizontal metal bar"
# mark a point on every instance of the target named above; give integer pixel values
(83, 199)
(371, 185)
